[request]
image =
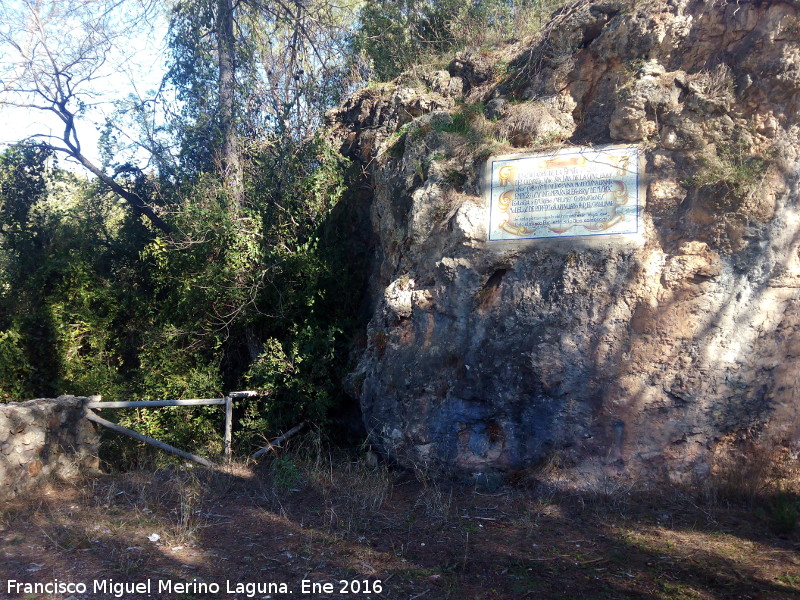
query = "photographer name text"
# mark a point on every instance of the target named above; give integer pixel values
(111, 588)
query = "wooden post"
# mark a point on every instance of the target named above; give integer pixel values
(228, 427)
(279, 440)
(143, 438)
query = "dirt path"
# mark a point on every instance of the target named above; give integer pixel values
(375, 534)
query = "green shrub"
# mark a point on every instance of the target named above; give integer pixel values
(261, 295)
(732, 169)
(395, 35)
(15, 370)
(782, 512)
(285, 473)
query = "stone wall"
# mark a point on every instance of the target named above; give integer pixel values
(44, 438)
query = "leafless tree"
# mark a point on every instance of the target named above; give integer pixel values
(52, 55)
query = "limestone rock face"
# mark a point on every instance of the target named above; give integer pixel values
(641, 360)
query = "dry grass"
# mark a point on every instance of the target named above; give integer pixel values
(748, 472)
(351, 489)
(434, 498)
(530, 124)
(763, 478)
(716, 84)
(343, 516)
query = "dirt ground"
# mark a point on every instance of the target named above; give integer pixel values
(285, 529)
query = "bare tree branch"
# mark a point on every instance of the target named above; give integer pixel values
(62, 47)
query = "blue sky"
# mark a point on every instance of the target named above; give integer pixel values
(135, 65)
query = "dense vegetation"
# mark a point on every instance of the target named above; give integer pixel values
(245, 279)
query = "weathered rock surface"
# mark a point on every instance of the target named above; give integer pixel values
(642, 359)
(44, 438)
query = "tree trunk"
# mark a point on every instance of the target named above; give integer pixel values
(230, 160)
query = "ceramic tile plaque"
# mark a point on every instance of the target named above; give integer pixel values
(575, 192)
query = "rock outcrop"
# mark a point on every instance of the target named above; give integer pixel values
(648, 359)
